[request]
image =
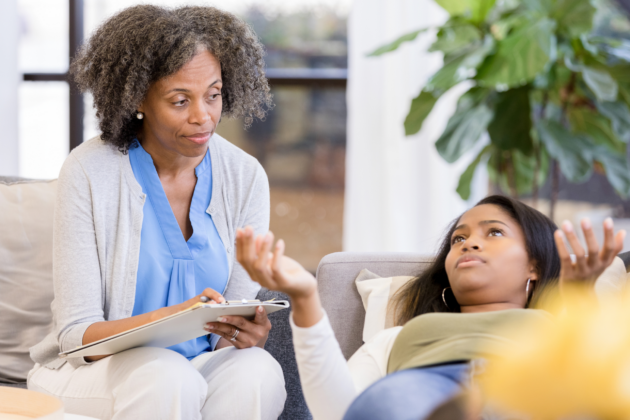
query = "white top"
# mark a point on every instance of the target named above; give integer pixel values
(329, 383)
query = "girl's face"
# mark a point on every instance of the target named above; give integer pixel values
(488, 264)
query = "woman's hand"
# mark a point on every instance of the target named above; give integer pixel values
(273, 271)
(212, 297)
(250, 333)
(587, 267)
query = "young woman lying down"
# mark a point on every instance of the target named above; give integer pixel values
(494, 262)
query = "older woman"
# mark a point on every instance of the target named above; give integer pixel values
(146, 219)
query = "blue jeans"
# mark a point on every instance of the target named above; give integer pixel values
(410, 394)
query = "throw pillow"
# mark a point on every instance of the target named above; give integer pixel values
(375, 293)
(26, 215)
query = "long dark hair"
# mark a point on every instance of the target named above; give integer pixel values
(424, 293)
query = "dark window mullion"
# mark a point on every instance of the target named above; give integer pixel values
(75, 36)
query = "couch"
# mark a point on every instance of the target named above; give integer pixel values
(26, 208)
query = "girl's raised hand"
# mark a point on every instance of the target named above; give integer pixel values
(587, 266)
(272, 270)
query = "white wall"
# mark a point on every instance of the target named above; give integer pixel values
(9, 79)
(400, 194)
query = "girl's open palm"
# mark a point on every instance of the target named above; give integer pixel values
(273, 271)
(587, 267)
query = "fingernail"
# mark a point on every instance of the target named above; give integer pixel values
(608, 223)
(586, 224)
(221, 319)
(260, 309)
(566, 225)
(209, 327)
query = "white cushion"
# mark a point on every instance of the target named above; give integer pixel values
(26, 214)
(375, 293)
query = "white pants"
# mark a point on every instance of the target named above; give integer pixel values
(153, 383)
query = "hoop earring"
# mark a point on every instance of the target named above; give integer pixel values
(444, 297)
(527, 291)
(139, 115)
(527, 288)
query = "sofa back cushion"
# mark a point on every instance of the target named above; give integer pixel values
(26, 213)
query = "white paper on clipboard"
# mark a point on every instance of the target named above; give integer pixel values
(174, 329)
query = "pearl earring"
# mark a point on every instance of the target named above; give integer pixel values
(139, 115)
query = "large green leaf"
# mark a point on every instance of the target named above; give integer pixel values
(617, 170)
(521, 56)
(501, 28)
(473, 10)
(525, 169)
(454, 37)
(397, 43)
(595, 126)
(572, 151)
(460, 68)
(620, 72)
(510, 128)
(514, 171)
(574, 17)
(465, 126)
(613, 49)
(421, 106)
(619, 114)
(539, 6)
(463, 186)
(601, 83)
(624, 93)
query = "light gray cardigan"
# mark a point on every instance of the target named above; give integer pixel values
(96, 236)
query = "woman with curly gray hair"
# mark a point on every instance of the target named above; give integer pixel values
(146, 218)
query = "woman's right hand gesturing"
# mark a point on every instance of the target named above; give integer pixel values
(589, 264)
(275, 271)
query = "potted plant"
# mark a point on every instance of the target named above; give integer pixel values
(552, 94)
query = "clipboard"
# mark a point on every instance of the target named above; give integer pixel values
(174, 329)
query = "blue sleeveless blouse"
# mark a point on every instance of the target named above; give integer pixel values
(172, 270)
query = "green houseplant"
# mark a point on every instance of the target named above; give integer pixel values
(552, 94)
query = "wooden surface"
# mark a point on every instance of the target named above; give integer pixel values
(19, 404)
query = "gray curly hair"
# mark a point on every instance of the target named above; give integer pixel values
(143, 44)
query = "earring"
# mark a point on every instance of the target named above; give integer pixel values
(444, 297)
(139, 115)
(527, 288)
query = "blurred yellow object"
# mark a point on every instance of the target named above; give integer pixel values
(577, 366)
